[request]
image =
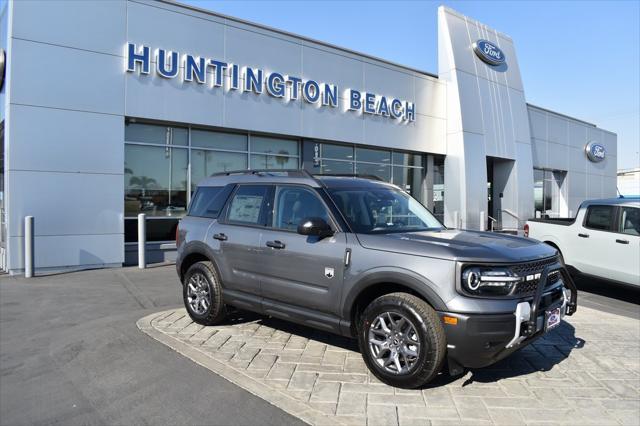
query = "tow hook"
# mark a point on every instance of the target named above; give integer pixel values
(528, 328)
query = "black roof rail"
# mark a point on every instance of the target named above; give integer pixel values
(353, 175)
(297, 173)
(272, 172)
(292, 172)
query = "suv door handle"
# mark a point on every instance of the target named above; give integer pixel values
(220, 237)
(622, 241)
(583, 235)
(276, 244)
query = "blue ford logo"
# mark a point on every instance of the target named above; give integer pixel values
(488, 52)
(595, 152)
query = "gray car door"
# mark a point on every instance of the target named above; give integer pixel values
(298, 270)
(235, 241)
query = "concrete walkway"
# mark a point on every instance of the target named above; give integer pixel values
(71, 354)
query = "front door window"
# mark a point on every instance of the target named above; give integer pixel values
(293, 204)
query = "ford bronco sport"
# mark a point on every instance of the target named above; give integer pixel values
(361, 258)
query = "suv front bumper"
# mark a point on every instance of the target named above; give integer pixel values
(479, 340)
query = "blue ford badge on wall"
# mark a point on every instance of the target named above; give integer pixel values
(595, 152)
(489, 52)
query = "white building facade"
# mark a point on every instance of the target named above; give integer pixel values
(111, 109)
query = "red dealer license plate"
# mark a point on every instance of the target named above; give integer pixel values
(552, 319)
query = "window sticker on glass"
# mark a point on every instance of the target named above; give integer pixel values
(245, 208)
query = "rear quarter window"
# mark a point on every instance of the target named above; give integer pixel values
(208, 201)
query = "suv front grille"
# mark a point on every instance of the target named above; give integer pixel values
(531, 270)
(535, 267)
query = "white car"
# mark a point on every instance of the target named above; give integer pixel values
(602, 241)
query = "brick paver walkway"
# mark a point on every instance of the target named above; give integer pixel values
(585, 372)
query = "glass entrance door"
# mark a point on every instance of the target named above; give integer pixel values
(548, 193)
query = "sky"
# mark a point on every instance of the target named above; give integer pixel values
(579, 58)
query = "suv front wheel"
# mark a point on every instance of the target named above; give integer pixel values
(402, 340)
(202, 294)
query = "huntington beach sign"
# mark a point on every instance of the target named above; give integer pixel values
(220, 75)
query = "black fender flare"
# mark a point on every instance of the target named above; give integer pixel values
(196, 247)
(399, 276)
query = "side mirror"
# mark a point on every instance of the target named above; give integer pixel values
(315, 226)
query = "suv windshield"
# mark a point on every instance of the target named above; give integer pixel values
(383, 210)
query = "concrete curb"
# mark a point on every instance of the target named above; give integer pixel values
(237, 377)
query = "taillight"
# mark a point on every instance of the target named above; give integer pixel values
(526, 229)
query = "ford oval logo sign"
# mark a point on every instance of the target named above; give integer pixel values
(489, 52)
(595, 152)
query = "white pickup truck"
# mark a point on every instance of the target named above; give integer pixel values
(603, 240)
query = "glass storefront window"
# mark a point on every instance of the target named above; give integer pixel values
(155, 181)
(331, 167)
(410, 179)
(402, 159)
(547, 193)
(204, 163)
(407, 172)
(438, 188)
(158, 159)
(373, 155)
(538, 189)
(379, 170)
(337, 152)
(160, 135)
(218, 140)
(273, 162)
(264, 145)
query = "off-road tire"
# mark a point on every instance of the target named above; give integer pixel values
(428, 327)
(216, 311)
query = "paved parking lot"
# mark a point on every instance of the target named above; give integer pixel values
(585, 372)
(71, 354)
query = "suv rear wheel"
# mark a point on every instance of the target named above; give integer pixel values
(202, 294)
(402, 340)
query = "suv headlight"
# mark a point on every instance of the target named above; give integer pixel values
(488, 281)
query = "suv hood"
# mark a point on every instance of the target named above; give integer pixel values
(460, 245)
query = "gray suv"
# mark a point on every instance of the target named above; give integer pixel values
(362, 258)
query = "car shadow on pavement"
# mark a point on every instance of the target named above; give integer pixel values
(237, 316)
(617, 291)
(542, 355)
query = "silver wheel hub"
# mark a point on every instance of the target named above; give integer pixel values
(198, 296)
(394, 343)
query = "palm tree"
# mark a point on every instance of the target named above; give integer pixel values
(143, 182)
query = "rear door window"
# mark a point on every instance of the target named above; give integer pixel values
(600, 217)
(250, 205)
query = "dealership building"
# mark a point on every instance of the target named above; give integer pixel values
(112, 109)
